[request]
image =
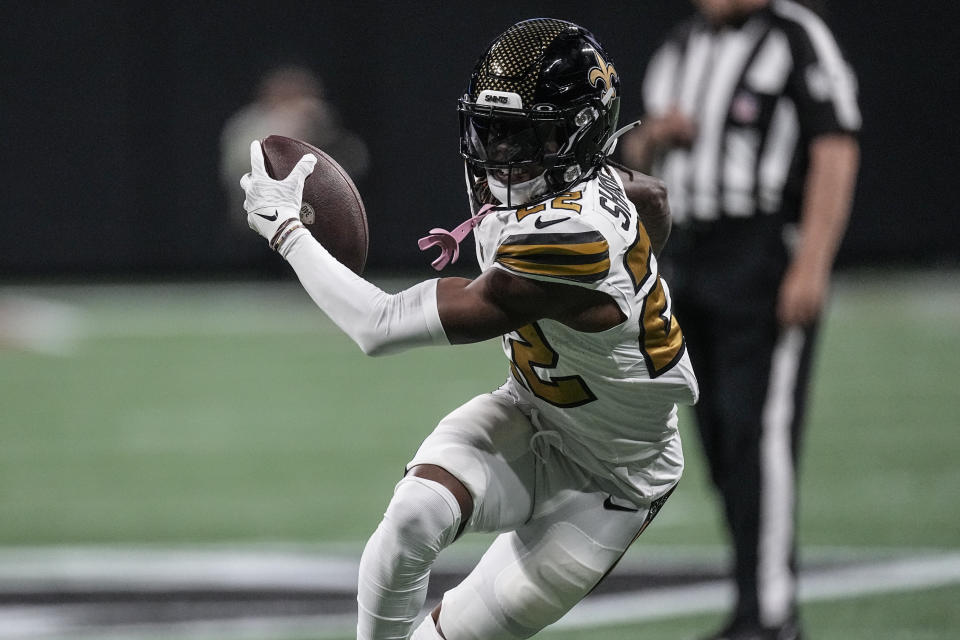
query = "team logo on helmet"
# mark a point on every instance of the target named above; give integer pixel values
(602, 73)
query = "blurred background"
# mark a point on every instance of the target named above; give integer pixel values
(113, 113)
(189, 450)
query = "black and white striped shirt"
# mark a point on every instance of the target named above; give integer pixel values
(758, 93)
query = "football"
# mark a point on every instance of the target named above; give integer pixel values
(332, 209)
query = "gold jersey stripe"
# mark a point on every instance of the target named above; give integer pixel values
(600, 248)
(590, 271)
(583, 257)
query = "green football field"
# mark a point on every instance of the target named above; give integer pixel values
(235, 415)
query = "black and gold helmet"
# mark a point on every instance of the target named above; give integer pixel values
(537, 117)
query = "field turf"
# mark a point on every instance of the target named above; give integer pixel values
(232, 413)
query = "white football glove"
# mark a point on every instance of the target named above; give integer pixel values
(273, 206)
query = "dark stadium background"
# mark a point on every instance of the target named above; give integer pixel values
(111, 113)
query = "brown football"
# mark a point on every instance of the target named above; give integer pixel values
(332, 208)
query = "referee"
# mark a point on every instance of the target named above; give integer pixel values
(751, 121)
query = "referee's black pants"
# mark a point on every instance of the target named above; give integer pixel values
(724, 279)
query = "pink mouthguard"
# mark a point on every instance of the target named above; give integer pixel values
(449, 241)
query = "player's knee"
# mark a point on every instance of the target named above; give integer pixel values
(423, 516)
(541, 587)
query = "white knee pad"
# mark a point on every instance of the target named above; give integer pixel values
(422, 518)
(521, 591)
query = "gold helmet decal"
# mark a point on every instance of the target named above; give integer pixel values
(512, 64)
(603, 72)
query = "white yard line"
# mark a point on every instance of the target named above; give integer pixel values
(98, 569)
(307, 568)
(886, 576)
(42, 625)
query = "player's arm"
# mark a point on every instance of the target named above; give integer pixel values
(649, 196)
(441, 311)
(432, 312)
(498, 302)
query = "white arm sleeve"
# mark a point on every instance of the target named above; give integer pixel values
(377, 321)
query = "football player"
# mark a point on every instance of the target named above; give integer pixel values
(573, 456)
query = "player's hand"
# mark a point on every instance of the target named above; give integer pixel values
(273, 206)
(803, 293)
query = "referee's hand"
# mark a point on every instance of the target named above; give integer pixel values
(803, 292)
(672, 129)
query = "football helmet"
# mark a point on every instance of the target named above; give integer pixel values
(539, 112)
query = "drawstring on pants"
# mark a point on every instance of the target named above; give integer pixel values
(544, 439)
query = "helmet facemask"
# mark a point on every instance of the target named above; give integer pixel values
(509, 150)
(520, 156)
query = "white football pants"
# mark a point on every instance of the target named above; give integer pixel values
(560, 534)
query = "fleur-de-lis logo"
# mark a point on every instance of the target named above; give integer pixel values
(603, 72)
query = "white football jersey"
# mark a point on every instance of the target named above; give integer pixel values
(612, 395)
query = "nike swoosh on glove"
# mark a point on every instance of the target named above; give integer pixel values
(273, 206)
